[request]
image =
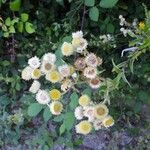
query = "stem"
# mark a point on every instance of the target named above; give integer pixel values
(83, 17)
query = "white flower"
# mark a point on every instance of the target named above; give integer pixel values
(46, 67)
(89, 113)
(82, 46)
(26, 73)
(35, 86)
(42, 97)
(78, 112)
(97, 124)
(90, 72)
(74, 75)
(64, 70)
(56, 108)
(34, 62)
(78, 34)
(91, 60)
(66, 85)
(67, 49)
(50, 58)
(95, 83)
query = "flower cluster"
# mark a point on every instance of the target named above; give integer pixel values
(131, 28)
(92, 115)
(64, 77)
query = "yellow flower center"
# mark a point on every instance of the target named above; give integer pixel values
(76, 41)
(100, 111)
(55, 94)
(84, 100)
(37, 73)
(54, 76)
(57, 108)
(109, 122)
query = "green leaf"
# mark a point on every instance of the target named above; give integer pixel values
(47, 114)
(34, 109)
(15, 5)
(67, 39)
(20, 26)
(29, 27)
(59, 118)
(87, 91)
(74, 100)
(62, 129)
(89, 2)
(8, 21)
(108, 3)
(6, 34)
(24, 17)
(12, 29)
(110, 28)
(94, 13)
(69, 120)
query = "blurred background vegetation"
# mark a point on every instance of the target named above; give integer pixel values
(29, 28)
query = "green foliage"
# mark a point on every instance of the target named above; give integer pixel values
(94, 13)
(19, 19)
(15, 5)
(34, 109)
(108, 3)
(89, 2)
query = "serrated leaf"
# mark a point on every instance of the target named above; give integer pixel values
(12, 29)
(20, 26)
(89, 2)
(15, 5)
(34, 109)
(24, 17)
(8, 21)
(47, 114)
(74, 100)
(108, 3)
(29, 27)
(94, 13)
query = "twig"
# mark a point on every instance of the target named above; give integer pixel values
(83, 17)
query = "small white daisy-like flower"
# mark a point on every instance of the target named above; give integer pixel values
(49, 58)
(34, 62)
(108, 121)
(84, 127)
(64, 70)
(100, 111)
(82, 46)
(89, 113)
(97, 124)
(67, 49)
(80, 64)
(35, 87)
(78, 34)
(90, 72)
(26, 73)
(46, 67)
(78, 112)
(42, 97)
(91, 60)
(56, 108)
(95, 83)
